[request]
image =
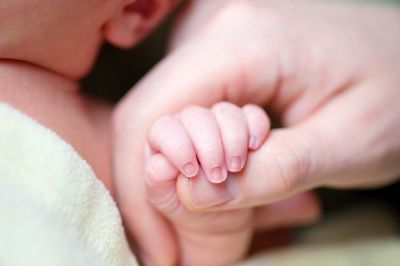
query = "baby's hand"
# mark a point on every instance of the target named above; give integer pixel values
(204, 144)
(217, 139)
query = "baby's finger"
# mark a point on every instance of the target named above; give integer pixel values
(168, 136)
(203, 129)
(234, 133)
(160, 177)
(258, 123)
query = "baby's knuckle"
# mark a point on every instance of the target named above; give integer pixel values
(194, 115)
(209, 147)
(229, 110)
(163, 122)
(226, 108)
(178, 145)
(152, 172)
(222, 105)
(235, 139)
(192, 110)
(160, 125)
(258, 113)
(251, 107)
(264, 123)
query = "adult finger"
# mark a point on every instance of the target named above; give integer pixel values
(325, 149)
(278, 169)
(297, 210)
(187, 77)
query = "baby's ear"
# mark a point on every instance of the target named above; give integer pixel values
(135, 20)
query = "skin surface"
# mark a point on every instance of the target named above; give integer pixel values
(43, 53)
(57, 104)
(218, 134)
(64, 36)
(329, 71)
(217, 139)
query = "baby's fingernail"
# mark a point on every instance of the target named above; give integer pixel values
(253, 142)
(217, 175)
(236, 164)
(190, 170)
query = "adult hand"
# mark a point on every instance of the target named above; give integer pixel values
(328, 71)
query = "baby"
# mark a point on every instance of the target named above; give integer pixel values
(46, 46)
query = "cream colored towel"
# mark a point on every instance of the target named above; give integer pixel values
(53, 210)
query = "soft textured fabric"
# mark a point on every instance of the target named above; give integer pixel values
(53, 210)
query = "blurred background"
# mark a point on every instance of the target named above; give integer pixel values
(117, 70)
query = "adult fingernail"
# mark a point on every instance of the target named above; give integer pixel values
(190, 170)
(253, 142)
(236, 164)
(217, 175)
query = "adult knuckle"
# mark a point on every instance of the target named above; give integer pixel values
(291, 163)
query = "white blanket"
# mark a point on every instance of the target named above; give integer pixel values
(53, 210)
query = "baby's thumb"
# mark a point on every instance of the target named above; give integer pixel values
(161, 184)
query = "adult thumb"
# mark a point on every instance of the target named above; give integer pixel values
(291, 160)
(334, 146)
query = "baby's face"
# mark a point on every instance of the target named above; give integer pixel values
(64, 35)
